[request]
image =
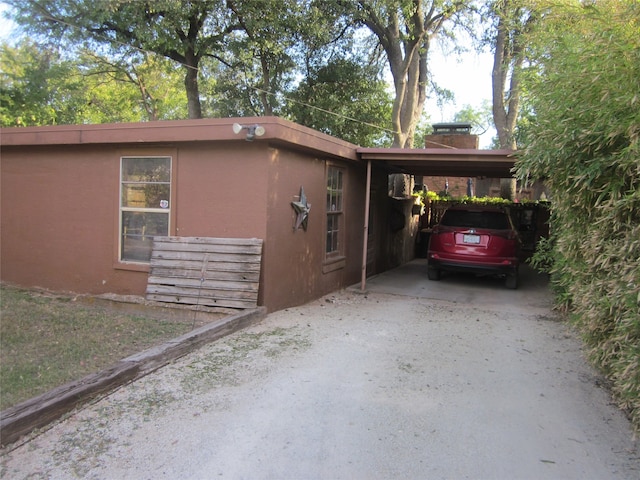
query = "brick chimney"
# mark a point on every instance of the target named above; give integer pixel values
(449, 135)
(456, 135)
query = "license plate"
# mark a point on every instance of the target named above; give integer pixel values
(473, 239)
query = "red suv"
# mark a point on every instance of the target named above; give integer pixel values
(472, 238)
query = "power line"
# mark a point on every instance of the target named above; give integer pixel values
(322, 110)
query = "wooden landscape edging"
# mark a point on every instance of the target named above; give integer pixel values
(39, 411)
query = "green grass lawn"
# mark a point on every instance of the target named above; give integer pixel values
(48, 340)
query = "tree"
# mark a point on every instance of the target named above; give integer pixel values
(405, 30)
(345, 99)
(585, 142)
(242, 49)
(268, 33)
(38, 87)
(183, 31)
(479, 118)
(249, 53)
(511, 20)
(133, 88)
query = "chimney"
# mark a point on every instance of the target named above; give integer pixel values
(451, 135)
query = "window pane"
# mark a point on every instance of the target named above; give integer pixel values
(334, 189)
(141, 169)
(332, 233)
(145, 184)
(339, 192)
(138, 230)
(334, 209)
(479, 219)
(146, 195)
(330, 188)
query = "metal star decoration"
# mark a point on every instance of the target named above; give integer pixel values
(302, 208)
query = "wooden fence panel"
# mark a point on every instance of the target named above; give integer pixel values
(204, 271)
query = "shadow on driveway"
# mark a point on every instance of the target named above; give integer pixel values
(411, 280)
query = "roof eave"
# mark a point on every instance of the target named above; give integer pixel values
(277, 132)
(443, 162)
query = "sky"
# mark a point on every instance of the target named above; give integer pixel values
(468, 76)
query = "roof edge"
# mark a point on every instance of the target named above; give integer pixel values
(417, 153)
(277, 130)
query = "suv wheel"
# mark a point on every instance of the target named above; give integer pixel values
(433, 273)
(512, 281)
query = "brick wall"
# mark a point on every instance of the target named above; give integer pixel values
(455, 140)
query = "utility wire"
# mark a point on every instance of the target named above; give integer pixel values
(323, 110)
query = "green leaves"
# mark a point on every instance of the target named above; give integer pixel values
(584, 141)
(344, 99)
(37, 86)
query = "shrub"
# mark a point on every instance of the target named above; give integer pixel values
(585, 143)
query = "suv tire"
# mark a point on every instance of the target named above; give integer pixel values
(433, 273)
(512, 281)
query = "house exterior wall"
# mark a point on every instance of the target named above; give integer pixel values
(60, 204)
(60, 211)
(295, 258)
(216, 195)
(59, 208)
(457, 185)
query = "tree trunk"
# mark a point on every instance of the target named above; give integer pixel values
(193, 92)
(508, 188)
(409, 80)
(410, 88)
(267, 109)
(405, 36)
(505, 115)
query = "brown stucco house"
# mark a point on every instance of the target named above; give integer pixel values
(80, 204)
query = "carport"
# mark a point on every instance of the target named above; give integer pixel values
(442, 161)
(431, 161)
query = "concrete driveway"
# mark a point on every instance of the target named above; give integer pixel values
(412, 379)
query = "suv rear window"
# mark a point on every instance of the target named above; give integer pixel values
(476, 219)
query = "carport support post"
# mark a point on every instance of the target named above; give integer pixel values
(365, 239)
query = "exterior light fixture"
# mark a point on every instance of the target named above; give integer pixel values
(253, 131)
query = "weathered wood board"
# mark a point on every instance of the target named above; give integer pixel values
(211, 272)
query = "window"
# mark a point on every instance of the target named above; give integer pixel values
(476, 219)
(334, 211)
(145, 205)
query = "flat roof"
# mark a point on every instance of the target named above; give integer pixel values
(277, 132)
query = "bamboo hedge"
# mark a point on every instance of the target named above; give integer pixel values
(585, 144)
